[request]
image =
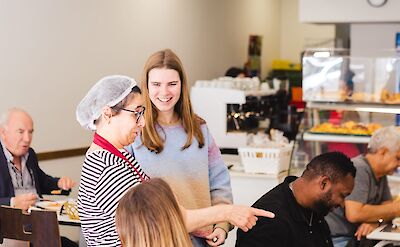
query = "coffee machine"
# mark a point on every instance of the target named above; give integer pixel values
(232, 108)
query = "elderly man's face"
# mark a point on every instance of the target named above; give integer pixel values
(17, 133)
(390, 161)
(334, 196)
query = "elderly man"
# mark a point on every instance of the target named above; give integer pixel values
(21, 179)
(300, 205)
(370, 202)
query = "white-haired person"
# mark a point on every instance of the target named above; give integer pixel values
(113, 109)
(370, 201)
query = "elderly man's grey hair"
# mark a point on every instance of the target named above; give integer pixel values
(6, 115)
(386, 137)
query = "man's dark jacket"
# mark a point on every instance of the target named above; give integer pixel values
(44, 183)
(293, 225)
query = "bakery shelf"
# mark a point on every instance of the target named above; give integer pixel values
(361, 107)
(307, 136)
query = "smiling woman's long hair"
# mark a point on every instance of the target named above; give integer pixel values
(167, 59)
(148, 215)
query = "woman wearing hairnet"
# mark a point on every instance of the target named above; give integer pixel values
(113, 109)
(177, 145)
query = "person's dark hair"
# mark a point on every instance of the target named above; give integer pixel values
(234, 72)
(335, 165)
(117, 108)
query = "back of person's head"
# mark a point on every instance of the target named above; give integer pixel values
(386, 137)
(235, 72)
(334, 165)
(148, 215)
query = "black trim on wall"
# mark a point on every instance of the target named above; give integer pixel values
(60, 154)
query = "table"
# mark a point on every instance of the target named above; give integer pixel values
(65, 220)
(386, 234)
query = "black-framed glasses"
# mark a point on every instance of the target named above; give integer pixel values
(138, 114)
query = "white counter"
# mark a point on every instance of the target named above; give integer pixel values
(248, 188)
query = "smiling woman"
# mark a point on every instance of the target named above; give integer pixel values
(177, 145)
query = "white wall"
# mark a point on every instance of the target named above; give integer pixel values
(296, 36)
(335, 11)
(374, 40)
(53, 51)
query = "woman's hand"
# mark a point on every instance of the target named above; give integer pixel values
(241, 216)
(217, 237)
(245, 217)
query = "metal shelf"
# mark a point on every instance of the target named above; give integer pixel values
(335, 138)
(363, 107)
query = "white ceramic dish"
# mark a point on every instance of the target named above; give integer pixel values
(50, 205)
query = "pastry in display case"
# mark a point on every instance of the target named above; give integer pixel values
(347, 128)
(390, 97)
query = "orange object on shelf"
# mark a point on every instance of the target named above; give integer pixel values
(297, 94)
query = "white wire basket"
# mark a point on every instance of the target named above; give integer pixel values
(273, 160)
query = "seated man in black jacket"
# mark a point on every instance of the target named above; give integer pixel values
(21, 179)
(300, 205)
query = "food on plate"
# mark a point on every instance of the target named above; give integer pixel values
(347, 128)
(54, 204)
(55, 192)
(50, 205)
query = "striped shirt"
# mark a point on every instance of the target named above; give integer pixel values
(104, 180)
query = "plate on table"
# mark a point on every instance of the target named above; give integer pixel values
(50, 205)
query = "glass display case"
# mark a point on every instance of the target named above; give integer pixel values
(340, 78)
(347, 99)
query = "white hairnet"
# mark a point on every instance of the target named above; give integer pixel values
(108, 91)
(386, 137)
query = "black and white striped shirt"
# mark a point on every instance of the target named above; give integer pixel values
(104, 180)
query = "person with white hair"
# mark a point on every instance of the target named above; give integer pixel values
(113, 109)
(370, 202)
(22, 181)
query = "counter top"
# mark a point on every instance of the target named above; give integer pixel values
(236, 168)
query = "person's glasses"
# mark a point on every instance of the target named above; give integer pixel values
(138, 114)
